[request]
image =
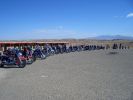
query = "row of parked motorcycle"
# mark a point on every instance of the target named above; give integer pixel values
(27, 55)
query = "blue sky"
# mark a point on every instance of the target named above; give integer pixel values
(38, 19)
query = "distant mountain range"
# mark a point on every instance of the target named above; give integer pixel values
(101, 37)
(112, 37)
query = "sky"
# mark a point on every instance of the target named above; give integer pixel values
(56, 19)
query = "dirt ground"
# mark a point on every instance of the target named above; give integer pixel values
(86, 75)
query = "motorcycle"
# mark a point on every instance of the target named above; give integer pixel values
(14, 59)
(30, 58)
(39, 54)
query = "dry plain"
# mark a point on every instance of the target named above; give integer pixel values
(86, 75)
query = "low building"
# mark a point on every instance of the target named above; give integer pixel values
(4, 45)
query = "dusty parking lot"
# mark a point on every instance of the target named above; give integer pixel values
(87, 75)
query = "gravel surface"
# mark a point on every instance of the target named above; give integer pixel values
(87, 75)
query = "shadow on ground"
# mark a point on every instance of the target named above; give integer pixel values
(11, 66)
(112, 53)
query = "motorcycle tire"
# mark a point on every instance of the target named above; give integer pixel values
(52, 53)
(22, 64)
(43, 56)
(1, 65)
(34, 58)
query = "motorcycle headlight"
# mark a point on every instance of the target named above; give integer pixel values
(20, 54)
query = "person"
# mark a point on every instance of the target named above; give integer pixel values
(37, 47)
(29, 50)
(120, 46)
(25, 51)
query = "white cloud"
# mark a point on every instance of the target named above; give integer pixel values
(129, 15)
(57, 33)
(61, 33)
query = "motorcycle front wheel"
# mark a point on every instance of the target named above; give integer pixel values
(43, 56)
(33, 58)
(22, 64)
(1, 65)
